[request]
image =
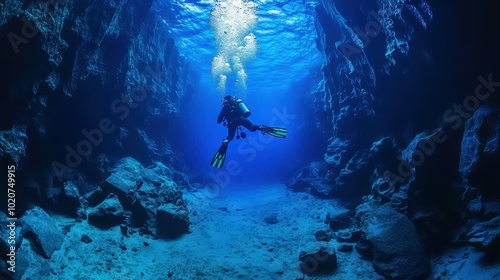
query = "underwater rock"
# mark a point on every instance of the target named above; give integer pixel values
(300, 185)
(311, 179)
(142, 191)
(13, 143)
(486, 236)
(382, 189)
(396, 247)
(272, 219)
(6, 233)
(320, 260)
(85, 238)
(480, 152)
(27, 262)
(340, 220)
(419, 189)
(157, 189)
(172, 221)
(335, 151)
(399, 200)
(321, 235)
(68, 201)
(354, 179)
(108, 213)
(41, 229)
(364, 248)
(94, 197)
(125, 177)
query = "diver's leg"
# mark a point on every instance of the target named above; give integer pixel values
(231, 130)
(248, 124)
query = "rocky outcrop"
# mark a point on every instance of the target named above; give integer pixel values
(112, 62)
(41, 229)
(340, 220)
(321, 260)
(358, 44)
(480, 152)
(13, 143)
(151, 195)
(486, 237)
(172, 221)
(346, 174)
(108, 213)
(397, 250)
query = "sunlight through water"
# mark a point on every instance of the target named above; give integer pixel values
(275, 45)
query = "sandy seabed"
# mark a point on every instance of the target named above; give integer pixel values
(230, 239)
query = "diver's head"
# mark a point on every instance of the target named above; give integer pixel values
(228, 98)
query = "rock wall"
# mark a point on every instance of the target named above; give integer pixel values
(88, 82)
(397, 136)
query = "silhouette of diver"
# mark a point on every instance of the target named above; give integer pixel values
(234, 114)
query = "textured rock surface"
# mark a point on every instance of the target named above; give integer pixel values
(486, 236)
(321, 260)
(144, 191)
(98, 78)
(13, 143)
(125, 177)
(172, 221)
(396, 247)
(480, 152)
(108, 213)
(39, 227)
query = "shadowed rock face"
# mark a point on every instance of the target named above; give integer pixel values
(85, 80)
(41, 229)
(397, 250)
(480, 155)
(388, 102)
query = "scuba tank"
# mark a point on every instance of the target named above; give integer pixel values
(242, 108)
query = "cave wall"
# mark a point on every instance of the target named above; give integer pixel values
(408, 99)
(87, 83)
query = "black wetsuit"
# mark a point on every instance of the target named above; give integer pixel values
(229, 112)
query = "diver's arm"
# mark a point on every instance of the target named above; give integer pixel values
(222, 113)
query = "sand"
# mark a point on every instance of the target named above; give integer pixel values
(230, 239)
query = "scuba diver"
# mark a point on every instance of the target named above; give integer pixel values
(234, 113)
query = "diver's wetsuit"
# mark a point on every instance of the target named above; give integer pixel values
(234, 120)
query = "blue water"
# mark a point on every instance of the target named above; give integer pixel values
(285, 33)
(286, 66)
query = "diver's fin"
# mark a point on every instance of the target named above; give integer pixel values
(220, 156)
(279, 132)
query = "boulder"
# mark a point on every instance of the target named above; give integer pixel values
(486, 236)
(108, 213)
(41, 229)
(316, 260)
(396, 247)
(125, 177)
(157, 189)
(172, 221)
(340, 220)
(364, 248)
(150, 194)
